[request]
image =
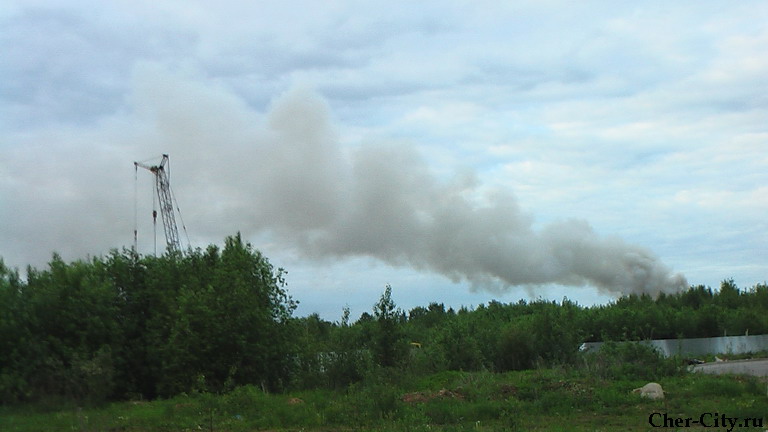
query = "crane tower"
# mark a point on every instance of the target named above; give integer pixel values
(165, 199)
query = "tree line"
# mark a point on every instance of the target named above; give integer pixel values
(127, 326)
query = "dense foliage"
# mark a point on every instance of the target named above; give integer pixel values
(126, 326)
(141, 327)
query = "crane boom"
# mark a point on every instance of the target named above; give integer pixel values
(165, 198)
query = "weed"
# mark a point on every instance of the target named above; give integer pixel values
(443, 412)
(548, 399)
(719, 387)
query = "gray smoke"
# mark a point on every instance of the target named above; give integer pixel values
(383, 201)
(286, 173)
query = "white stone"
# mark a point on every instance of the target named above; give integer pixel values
(650, 391)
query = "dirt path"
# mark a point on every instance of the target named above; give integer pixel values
(756, 367)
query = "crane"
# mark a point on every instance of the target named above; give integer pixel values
(165, 198)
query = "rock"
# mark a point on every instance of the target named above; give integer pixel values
(650, 391)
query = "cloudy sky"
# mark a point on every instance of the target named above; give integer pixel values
(459, 151)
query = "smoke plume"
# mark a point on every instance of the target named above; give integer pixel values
(287, 174)
(291, 176)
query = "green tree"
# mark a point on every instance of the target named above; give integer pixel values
(388, 346)
(459, 346)
(232, 328)
(15, 338)
(348, 361)
(69, 323)
(728, 296)
(515, 350)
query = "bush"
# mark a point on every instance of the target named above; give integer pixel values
(377, 397)
(515, 349)
(629, 361)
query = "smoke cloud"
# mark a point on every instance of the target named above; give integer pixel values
(290, 176)
(287, 174)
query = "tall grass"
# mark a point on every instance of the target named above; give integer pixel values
(542, 399)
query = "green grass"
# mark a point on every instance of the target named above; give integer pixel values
(536, 400)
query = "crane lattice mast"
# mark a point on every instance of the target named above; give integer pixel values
(165, 198)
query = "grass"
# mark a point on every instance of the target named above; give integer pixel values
(536, 400)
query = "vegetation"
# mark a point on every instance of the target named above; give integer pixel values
(210, 334)
(554, 399)
(130, 327)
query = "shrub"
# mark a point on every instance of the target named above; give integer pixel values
(629, 361)
(515, 349)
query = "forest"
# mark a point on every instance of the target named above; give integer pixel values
(131, 327)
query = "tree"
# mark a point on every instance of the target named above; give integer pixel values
(516, 347)
(459, 345)
(349, 361)
(387, 344)
(231, 327)
(728, 297)
(14, 335)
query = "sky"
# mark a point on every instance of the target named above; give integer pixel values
(461, 152)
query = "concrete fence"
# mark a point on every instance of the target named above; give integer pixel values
(700, 346)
